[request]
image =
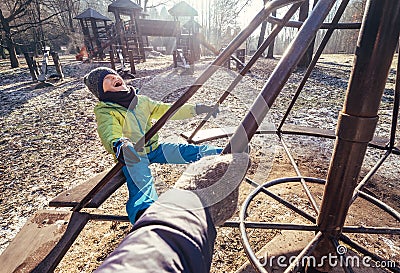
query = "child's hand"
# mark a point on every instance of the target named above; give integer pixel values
(125, 151)
(202, 108)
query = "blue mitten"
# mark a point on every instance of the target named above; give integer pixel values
(125, 151)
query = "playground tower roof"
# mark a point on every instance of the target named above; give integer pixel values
(92, 14)
(183, 9)
(124, 5)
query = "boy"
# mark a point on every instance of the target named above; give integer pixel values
(123, 117)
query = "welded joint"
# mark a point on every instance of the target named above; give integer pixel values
(356, 129)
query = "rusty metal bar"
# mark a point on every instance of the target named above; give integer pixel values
(277, 80)
(108, 217)
(357, 122)
(305, 252)
(372, 230)
(213, 67)
(263, 188)
(285, 226)
(366, 252)
(380, 204)
(396, 105)
(270, 225)
(314, 60)
(246, 68)
(302, 181)
(369, 175)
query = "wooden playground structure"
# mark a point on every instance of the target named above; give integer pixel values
(127, 38)
(33, 250)
(127, 41)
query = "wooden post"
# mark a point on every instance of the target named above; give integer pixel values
(241, 55)
(57, 64)
(30, 61)
(174, 57)
(112, 61)
(131, 62)
(125, 53)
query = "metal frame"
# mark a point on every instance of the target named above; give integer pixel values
(243, 224)
(356, 128)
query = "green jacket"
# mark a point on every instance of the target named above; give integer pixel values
(115, 121)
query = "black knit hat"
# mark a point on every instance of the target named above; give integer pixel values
(94, 80)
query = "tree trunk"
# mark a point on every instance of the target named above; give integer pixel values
(2, 53)
(270, 52)
(9, 42)
(10, 45)
(262, 34)
(70, 21)
(13, 54)
(303, 15)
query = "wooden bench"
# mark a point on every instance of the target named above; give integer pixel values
(47, 236)
(217, 133)
(43, 241)
(72, 197)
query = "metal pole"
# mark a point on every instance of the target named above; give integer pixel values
(357, 122)
(396, 105)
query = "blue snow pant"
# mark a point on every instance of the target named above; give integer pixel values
(142, 192)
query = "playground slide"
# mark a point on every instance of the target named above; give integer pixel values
(206, 44)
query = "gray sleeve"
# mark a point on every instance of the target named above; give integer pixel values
(167, 238)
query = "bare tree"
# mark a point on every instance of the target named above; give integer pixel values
(224, 17)
(8, 14)
(23, 19)
(68, 8)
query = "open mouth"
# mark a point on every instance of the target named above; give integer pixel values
(117, 84)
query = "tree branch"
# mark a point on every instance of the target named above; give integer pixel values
(15, 11)
(37, 23)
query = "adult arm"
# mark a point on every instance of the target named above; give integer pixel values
(167, 238)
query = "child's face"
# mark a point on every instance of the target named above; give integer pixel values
(114, 83)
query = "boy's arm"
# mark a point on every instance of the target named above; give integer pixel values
(109, 128)
(157, 109)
